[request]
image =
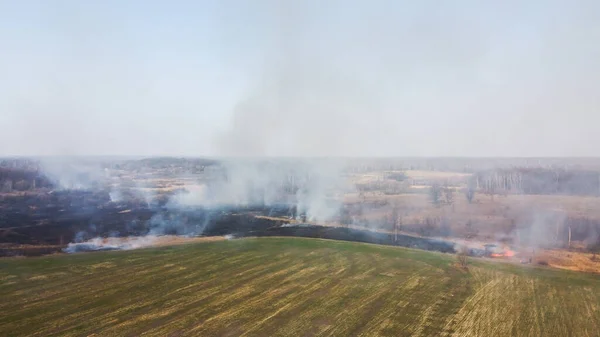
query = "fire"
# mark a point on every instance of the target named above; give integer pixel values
(506, 253)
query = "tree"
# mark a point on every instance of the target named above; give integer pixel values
(593, 243)
(470, 194)
(469, 224)
(470, 191)
(445, 229)
(362, 197)
(395, 220)
(449, 195)
(397, 176)
(435, 193)
(462, 257)
(471, 231)
(345, 217)
(395, 214)
(491, 190)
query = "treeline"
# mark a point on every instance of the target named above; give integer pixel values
(559, 233)
(538, 181)
(22, 180)
(467, 165)
(159, 164)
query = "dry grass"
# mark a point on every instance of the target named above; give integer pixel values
(434, 175)
(171, 240)
(577, 261)
(507, 304)
(489, 216)
(365, 178)
(274, 218)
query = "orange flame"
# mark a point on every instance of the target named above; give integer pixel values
(506, 253)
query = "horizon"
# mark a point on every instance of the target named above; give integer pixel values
(167, 156)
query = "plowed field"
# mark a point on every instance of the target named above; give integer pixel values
(290, 287)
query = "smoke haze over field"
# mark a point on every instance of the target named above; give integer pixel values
(300, 78)
(310, 185)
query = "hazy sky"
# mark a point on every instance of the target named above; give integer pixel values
(305, 77)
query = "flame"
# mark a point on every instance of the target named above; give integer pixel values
(506, 253)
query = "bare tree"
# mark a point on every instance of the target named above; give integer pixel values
(470, 229)
(435, 194)
(489, 186)
(362, 196)
(394, 221)
(470, 193)
(462, 258)
(449, 195)
(445, 229)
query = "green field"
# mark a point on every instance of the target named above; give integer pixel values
(289, 287)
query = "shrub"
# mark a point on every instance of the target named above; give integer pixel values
(462, 255)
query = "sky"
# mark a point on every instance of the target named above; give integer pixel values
(300, 78)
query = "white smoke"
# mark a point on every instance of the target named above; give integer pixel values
(111, 243)
(73, 173)
(313, 186)
(543, 228)
(194, 195)
(115, 196)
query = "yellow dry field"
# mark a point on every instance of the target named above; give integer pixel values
(369, 177)
(289, 287)
(420, 174)
(521, 304)
(577, 261)
(170, 240)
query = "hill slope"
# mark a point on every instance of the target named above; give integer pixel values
(289, 287)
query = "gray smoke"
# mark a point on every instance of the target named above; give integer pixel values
(304, 102)
(541, 228)
(73, 172)
(344, 79)
(314, 186)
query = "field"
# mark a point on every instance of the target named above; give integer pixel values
(290, 287)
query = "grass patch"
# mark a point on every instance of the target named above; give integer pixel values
(289, 287)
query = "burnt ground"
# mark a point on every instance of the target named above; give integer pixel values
(43, 223)
(58, 217)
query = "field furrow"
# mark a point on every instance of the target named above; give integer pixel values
(289, 287)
